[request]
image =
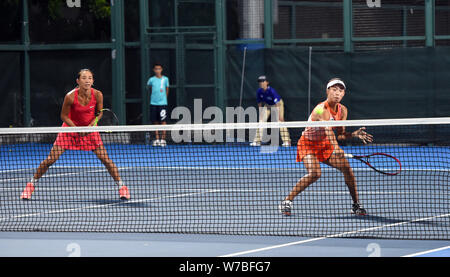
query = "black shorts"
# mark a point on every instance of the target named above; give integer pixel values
(158, 113)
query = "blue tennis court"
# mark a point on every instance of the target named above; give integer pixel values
(190, 245)
(188, 85)
(218, 200)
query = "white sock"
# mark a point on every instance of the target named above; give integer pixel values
(120, 183)
(33, 181)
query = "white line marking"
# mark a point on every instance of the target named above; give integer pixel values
(53, 175)
(275, 168)
(232, 168)
(261, 190)
(104, 205)
(427, 252)
(15, 170)
(331, 236)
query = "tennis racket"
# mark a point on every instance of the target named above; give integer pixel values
(108, 118)
(380, 162)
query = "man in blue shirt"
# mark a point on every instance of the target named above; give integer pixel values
(267, 97)
(158, 102)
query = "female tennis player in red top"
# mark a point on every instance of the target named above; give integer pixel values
(319, 144)
(79, 109)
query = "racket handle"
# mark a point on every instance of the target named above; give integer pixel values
(348, 155)
(97, 119)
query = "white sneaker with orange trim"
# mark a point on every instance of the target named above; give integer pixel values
(27, 192)
(124, 193)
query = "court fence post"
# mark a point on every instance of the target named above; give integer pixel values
(268, 23)
(26, 79)
(220, 49)
(145, 60)
(429, 22)
(118, 60)
(348, 26)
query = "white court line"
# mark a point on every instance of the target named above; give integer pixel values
(359, 168)
(61, 167)
(53, 175)
(103, 205)
(427, 252)
(130, 168)
(15, 170)
(89, 187)
(275, 168)
(231, 168)
(261, 190)
(331, 236)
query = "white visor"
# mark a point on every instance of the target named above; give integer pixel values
(335, 82)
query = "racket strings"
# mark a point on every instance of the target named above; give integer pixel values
(383, 163)
(108, 118)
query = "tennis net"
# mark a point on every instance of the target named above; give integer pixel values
(207, 179)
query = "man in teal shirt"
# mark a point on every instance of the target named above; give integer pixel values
(158, 102)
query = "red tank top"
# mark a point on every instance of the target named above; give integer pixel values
(82, 115)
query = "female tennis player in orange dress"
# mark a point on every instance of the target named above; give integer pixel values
(319, 145)
(79, 108)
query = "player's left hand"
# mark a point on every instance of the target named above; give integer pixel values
(363, 135)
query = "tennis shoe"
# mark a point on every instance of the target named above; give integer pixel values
(255, 143)
(357, 209)
(286, 207)
(27, 192)
(162, 143)
(156, 142)
(124, 193)
(286, 144)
